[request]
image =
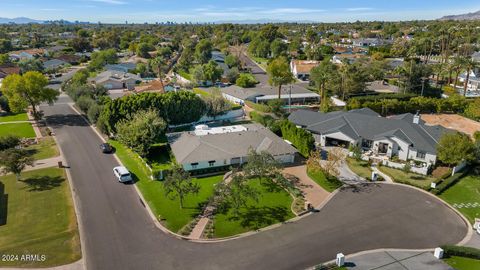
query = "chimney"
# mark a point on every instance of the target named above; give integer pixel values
(416, 118)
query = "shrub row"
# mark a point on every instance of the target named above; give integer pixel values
(258, 107)
(300, 138)
(448, 182)
(467, 252)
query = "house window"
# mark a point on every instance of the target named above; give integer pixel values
(421, 155)
(194, 165)
(211, 163)
(367, 143)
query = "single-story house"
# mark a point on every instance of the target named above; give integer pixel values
(54, 64)
(122, 67)
(473, 80)
(301, 68)
(405, 136)
(69, 58)
(6, 70)
(369, 42)
(226, 146)
(116, 80)
(26, 54)
(291, 94)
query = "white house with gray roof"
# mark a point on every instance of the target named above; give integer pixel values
(116, 80)
(290, 94)
(405, 136)
(226, 146)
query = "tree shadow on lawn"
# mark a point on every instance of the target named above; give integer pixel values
(259, 217)
(3, 205)
(42, 183)
(271, 186)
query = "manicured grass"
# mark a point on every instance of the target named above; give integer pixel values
(45, 148)
(418, 180)
(466, 190)
(22, 130)
(461, 263)
(37, 217)
(160, 157)
(168, 211)
(273, 207)
(185, 75)
(14, 117)
(360, 167)
(201, 92)
(320, 178)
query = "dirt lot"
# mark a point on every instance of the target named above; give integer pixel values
(452, 121)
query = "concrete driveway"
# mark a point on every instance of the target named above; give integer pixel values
(119, 234)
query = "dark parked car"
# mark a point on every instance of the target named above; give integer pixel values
(106, 148)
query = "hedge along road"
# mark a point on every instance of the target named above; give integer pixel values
(119, 234)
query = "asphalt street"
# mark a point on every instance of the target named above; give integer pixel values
(119, 234)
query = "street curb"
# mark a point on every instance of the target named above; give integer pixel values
(77, 208)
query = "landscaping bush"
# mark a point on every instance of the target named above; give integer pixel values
(4, 104)
(84, 103)
(246, 80)
(300, 138)
(450, 181)
(467, 252)
(94, 112)
(263, 119)
(9, 141)
(258, 107)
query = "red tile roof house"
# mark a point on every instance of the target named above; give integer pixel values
(8, 70)
(301, 68)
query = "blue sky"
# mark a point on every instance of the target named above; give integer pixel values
(139, 11)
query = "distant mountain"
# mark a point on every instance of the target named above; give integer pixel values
(19, 20)
(261, 21)
(463, 17)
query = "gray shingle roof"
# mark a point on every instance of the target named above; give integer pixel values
(189, 148)
(369, 125)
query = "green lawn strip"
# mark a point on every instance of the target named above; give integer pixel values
(466, 190)
(417, 180)
(40, 218)
(45, 148)
(319, 177)
(160, 157)
(461, 263)
(201, 92)
(185, 75)
(22, 130)
(274, 206)
(14, 117)
(360, 167)
(263, 62)
(169, 211)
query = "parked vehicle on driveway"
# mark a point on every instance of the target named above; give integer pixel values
(122, 174)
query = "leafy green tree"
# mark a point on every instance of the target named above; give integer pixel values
(235, 194)
(179, 184)
(80, 77)
(15, 160)
(203, 51)
(454, 148)
(141, 130)
(279, 74)
(101, 58)
(143, 49)
(212, 71)
(246, 80)
(29, 89)
(159, 65)
(217, 104)
(278, 48)
(94, 112)
(232, 75)
(32, 64)
(232, 61)
(4, 59)
(84, 103)
(4, 104)
(9, 141)
(300, 138)
(323, 74)
(5, 46)
(473, 110)
(260, 165)
(276, 107)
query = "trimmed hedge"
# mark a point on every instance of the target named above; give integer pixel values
(466, 252)
(258, 107)
(263, 119)
(300, 138)
(450, 181)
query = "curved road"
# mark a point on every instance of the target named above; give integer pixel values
(119, 234)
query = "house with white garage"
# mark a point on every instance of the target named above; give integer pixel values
(404, 136)
(116, 80)
(221, 147)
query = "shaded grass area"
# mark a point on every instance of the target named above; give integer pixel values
(168, 211)
(466, 190)
(461, 263)
(21, 130)
(417, 180)
(37, 217)
(45, 148)
(160, 157)
(273, 207)
(201, 92)
(360, 167)
(14, 117)
(329, 184)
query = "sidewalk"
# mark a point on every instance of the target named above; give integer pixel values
(45, 163)
(199, 228)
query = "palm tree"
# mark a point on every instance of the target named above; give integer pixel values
(321, 75)
(279, 74)
(458, 62)
(470, 65)
(158, 64)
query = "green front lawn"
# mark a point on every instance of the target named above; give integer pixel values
(14, 117)
(273, 207)
(167, 210)
(262, 62)
(37, 217)
(22, 130)
(461, 263)
(45, 148)
(417, 180)
(466, 190)
(160, 157)
(320, 178)
(201, 92)
(360, 167)
(185, 75)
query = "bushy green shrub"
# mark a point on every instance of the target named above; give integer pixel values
(258, 107)
(467, 252)
(450, 181)
(84, 103)
(8, 141)
(300, 138)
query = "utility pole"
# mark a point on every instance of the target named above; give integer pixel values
(423, 86)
